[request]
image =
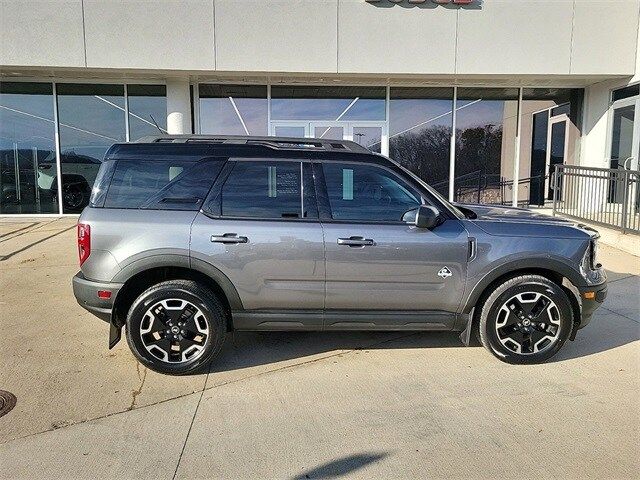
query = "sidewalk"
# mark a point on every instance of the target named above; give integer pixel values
(306, 405)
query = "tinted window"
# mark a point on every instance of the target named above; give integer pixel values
(161, 185)
(263, 190)
(368, 193)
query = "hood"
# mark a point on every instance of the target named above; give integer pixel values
(499, 220)
(508, 214)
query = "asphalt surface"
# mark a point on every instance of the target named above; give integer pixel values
(305, 405)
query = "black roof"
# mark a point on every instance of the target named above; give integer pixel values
(198, 146)
(281, 143)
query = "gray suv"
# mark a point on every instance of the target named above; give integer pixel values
(189, 237)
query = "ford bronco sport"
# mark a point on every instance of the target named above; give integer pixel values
(189, 237)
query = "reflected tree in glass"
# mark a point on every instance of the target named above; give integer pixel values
(420, 125)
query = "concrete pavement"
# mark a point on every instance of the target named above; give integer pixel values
(305, 405)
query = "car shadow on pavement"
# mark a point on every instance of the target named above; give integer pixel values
(251, 349)
(606, 331)
(343, 466)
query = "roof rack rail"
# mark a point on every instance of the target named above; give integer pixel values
(279, 143)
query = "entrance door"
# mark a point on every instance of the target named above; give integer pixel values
(556, 149)
(293, 129)
(625, 138)
(371, 135)
(328, 130)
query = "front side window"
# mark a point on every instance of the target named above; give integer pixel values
(367, 193)
(263, 190)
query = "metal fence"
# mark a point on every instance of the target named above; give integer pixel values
(599, 195)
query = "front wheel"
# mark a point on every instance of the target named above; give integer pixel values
(526, 320)
(176, 327)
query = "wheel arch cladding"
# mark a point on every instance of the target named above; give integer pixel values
(138, 278)
(556, 271)
(553, 269)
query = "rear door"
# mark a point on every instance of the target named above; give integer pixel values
(385, 271)
(261, 229)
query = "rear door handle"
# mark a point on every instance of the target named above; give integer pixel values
(229, 238)
(356, 241)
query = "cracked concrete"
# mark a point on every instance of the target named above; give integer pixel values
(304, 405)
(138, 391)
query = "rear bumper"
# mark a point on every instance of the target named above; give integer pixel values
(592, 298)
(86, 293)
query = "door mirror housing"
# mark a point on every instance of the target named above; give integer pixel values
(428, 217)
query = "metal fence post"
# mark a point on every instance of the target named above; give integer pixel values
(555, 188)
(625, 199)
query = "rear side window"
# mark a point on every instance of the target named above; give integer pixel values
(263, 190)
(162, 184)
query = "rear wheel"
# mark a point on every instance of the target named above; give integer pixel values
(176, 327)
(526, 319)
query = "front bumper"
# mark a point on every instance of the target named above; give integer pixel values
(86, 293)
(592, 297)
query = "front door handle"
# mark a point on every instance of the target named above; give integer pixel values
(356, 241)
(229, 238)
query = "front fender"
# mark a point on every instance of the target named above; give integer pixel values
(515, 265)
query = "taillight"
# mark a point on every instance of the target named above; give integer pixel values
(84, 242)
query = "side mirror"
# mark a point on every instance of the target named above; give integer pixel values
(428, 217)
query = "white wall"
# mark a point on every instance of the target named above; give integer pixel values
(172, 34)
(595, 147)
(502, 37)
(41, 33)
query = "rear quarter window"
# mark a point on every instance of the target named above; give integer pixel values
(161, 185)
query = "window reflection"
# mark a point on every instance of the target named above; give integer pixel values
(263, 190)
(486, 122)
(420, 122)
(27, 149)
(91, 120)
(327, 103)
(147, 104)
(233, 109)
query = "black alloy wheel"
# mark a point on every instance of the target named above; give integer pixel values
(526, 319)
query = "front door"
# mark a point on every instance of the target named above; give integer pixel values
(261, 230)
(377, 264)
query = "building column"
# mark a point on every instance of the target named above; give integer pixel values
(178, 106)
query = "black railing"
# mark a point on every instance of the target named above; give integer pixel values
(598, 195)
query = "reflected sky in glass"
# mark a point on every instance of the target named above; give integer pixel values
(327, 109)
(146, 101)
(219, 117)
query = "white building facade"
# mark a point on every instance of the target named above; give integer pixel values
(479, 98)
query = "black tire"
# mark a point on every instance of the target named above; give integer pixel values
(539, 336)
(211, 314)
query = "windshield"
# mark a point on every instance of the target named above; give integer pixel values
(455, 210)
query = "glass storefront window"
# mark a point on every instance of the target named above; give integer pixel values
(233, 109)
(147, 103)
(420, 123)
(486, 124)
(549, 134)
(91, 119)
(27, 149)
(327, 103)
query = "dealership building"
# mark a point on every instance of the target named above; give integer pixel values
(479, 98)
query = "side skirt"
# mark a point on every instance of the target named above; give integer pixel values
(343, 320)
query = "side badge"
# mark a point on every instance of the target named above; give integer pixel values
(444, 272)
